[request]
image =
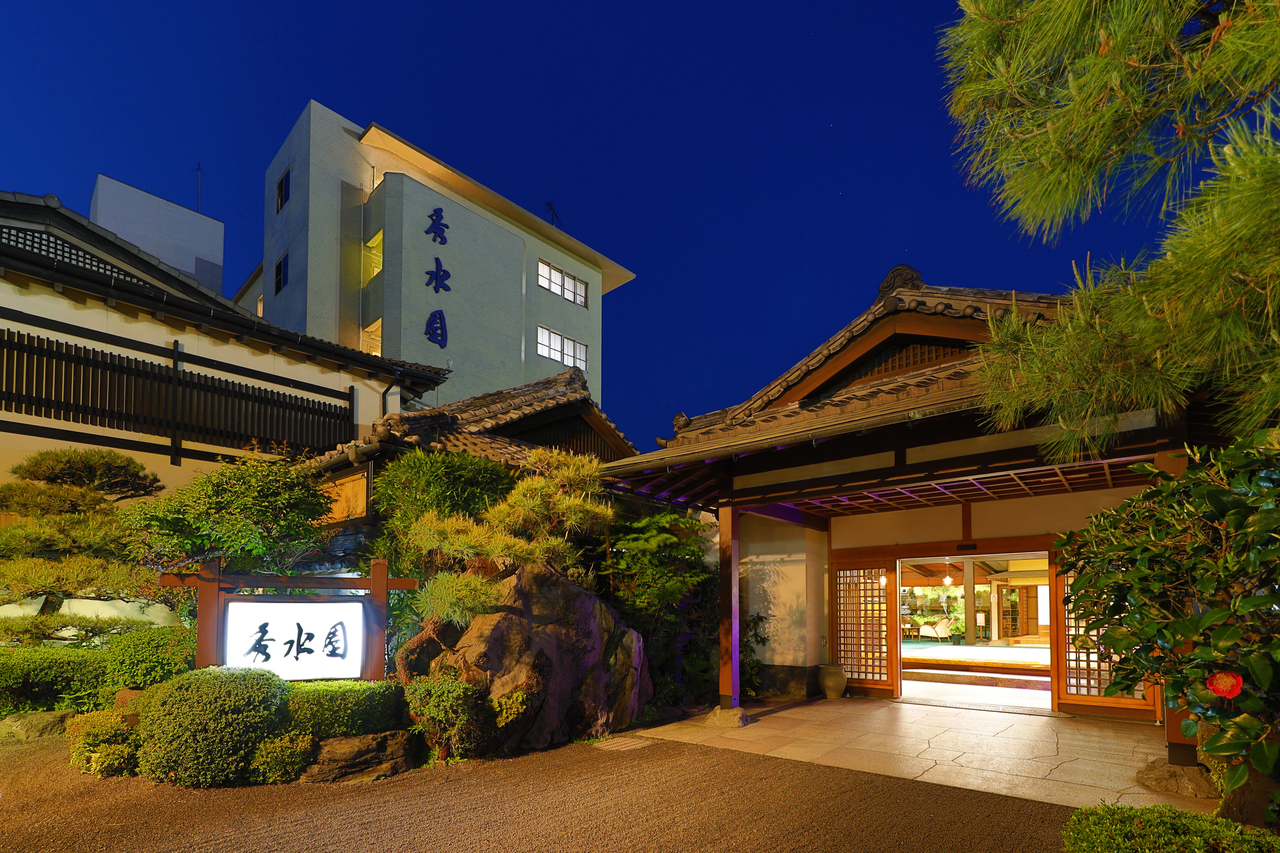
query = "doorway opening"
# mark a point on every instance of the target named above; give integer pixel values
(975, 630)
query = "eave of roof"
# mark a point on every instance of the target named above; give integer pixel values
(613, 274)
(486, 412)
(910, 397)
(178, 295)
(901, 291)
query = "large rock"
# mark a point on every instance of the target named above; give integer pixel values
(582, 670)
(362, 758)
(1160, 775)
(35, 724)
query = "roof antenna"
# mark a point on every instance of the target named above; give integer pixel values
(198, 173)
(555, 217)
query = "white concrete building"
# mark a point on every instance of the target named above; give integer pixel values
(188, 241)
(374, 244)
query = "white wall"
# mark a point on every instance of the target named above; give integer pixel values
(906, 527)
(1037, 516)
(774, 575)
(495, 305)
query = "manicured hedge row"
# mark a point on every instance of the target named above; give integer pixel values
(327, 709)
(40, 678)
(225, 726)
(1125, 829)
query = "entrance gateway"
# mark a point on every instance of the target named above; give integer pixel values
(902, 630)
(869, 464)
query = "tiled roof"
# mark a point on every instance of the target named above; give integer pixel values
(487, 412)
(926, 392)
(465, 426)
(902, 291)
(177, 293)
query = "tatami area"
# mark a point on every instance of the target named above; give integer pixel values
(1070, 761)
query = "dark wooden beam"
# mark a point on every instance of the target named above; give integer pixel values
(730, 606)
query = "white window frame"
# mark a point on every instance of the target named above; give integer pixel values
(561, 348)
(562, 284)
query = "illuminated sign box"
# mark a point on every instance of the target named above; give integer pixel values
(297, 640)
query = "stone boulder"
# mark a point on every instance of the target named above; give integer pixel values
(582, 670)
(1160, 775)
(35, 724)
(363, 758)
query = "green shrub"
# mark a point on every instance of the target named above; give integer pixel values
(1125, 829)
(449, 483)
(200, 730)
(86, 632)
(324, 709)
(150, 656)
(102, 743)
(281, 759)
(42, 678)
(450, 714)
(32, 499)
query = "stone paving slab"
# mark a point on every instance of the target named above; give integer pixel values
(1065, 761)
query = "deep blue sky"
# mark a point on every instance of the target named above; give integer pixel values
(759, 166)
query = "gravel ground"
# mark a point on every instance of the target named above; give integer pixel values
(666, 796)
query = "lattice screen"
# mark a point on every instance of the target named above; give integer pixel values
(1088, 671)
(861, 623)
(60, 250)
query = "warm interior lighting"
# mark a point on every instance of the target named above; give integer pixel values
(884, 580)
(947, 580)
(371, 338)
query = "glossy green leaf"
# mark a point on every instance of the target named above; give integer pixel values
(1263, 756)
(1255, 602)
(1189, 728)
(1226, 743)
(1234, 777)
(1260, 669)
(1211, 618)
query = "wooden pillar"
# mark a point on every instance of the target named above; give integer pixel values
(730, 608)
(375, 653)
(1181, 749)
(209, 615)
(970, 605)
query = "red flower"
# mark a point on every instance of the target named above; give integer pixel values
(1225, 683)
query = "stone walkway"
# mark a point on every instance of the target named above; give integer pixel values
(1069, 761)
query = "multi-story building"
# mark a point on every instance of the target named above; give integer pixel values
(374, 244)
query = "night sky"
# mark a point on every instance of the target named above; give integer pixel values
(759, 167)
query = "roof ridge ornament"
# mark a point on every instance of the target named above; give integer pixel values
(901, 277)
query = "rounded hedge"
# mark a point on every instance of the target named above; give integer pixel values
(200, 730)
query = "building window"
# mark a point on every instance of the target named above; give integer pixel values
(372, 259)
(557, 347)
(282, 191)
(371, 338)
(259, 306)
(562, 283)
(282, 271)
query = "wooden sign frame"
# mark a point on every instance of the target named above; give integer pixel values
(214, 589)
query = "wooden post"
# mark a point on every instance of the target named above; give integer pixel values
(1181, 749)
(375, 653)
(730, 607)
(209, 615)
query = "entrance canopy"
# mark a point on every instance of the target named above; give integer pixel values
(884, 416)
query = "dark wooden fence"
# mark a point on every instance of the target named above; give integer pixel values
(47, 378)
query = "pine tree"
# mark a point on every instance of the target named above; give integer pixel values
(1066, 106)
